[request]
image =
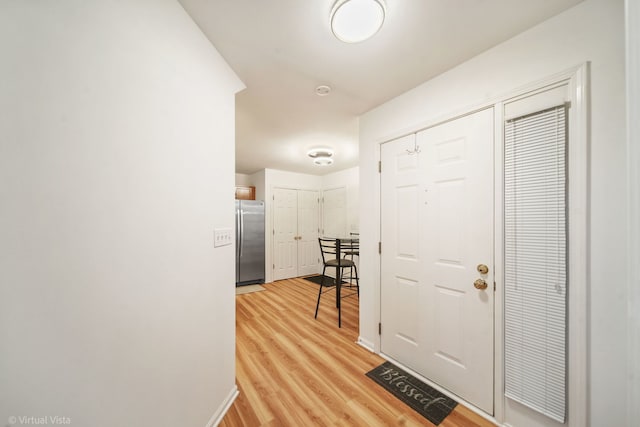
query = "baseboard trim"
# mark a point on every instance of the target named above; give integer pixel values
(366, 344)
(222, 411)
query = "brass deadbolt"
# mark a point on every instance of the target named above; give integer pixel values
(482, 269)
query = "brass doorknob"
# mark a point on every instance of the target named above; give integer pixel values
(480, 284)
(482, 269)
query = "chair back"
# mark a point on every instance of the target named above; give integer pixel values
(353, 245)
(329, 251)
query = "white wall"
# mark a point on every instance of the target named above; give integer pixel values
(591, 31)
(258, 181)
(633, 154)
(116, 164)
(284, 179)
(243, 179)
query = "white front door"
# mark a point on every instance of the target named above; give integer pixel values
(437, 228)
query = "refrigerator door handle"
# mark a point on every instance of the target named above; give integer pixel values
(241, 230)
(238, 234)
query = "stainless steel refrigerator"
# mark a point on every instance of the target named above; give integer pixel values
(249, 242)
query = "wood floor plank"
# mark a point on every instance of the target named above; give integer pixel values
(294, 370)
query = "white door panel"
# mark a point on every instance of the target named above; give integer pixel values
(308, 248)
(334, 217)
(402, 288)
(334, 212)
(295, 228)
(437, 226)
(284, 226)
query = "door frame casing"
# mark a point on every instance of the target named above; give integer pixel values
(632, 15)
(577, 79)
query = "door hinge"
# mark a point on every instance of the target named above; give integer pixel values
(494, 286)
(379, 247)
(380, 328)
(379, 166)
(273, 197)
(274, 266)
(274, 231)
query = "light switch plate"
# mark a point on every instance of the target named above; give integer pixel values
(222, 237)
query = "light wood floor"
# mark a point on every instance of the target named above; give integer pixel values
(293, 370)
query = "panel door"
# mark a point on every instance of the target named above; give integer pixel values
(334, 212)
(438, 203)
(285, 247)
(402, 292)
(308, 247)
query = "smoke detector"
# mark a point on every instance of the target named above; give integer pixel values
(323, 90)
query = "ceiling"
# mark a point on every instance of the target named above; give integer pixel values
(283, 49)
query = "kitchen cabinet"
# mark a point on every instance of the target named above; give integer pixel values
(245, 192)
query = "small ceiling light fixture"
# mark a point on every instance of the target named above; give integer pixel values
(353, 21)
(321, 156)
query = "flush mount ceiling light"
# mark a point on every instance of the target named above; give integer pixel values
(321, 156)
(353, 21)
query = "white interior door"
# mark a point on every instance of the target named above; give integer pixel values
(295, 229)
(285, 248)
(308, 247)
(402, 292)
(334, 212)
(437, 228)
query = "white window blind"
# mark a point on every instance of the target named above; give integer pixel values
(536, 261)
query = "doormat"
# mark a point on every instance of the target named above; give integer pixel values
(424, 399)
(328, 281)
(247, 289)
